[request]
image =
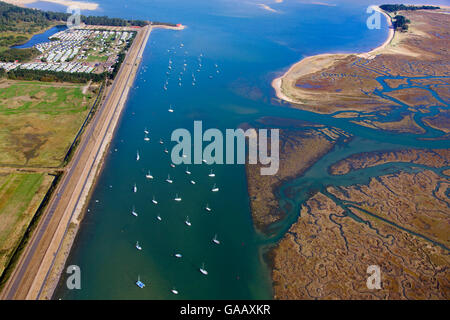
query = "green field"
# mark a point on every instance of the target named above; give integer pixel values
(95, 58)
(38, 121)
(20, 196)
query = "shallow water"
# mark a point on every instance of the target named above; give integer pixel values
(41, 37)
(250, 46)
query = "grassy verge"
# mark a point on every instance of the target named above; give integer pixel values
(29, 231)
(20, 197)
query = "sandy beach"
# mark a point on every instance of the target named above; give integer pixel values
(372, 53)
(315, 63)
(80, 4)
(266, 7)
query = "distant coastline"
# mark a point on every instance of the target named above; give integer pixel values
(80, 4)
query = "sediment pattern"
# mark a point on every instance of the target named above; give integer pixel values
(398, 221)
(432, 158)
(384, 88)
(326, 253)
(298, 151)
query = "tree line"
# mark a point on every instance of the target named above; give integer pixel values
(400, 23)
(399, 7)
(14, 18)
(53, 76)
(106, 21)
(23, 20)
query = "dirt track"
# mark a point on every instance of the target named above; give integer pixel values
(33, 268)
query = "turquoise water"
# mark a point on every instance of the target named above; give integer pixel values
(250, 46)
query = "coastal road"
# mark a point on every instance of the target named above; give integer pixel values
(32, 277)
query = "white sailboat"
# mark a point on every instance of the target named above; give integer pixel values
(214, 188)
(146, 131)
(159, 217)
(172, 165)
(187, 222)
(135, 188)
(187, 171)
(170, 109)
(168, 179)
(154, 200)
(215, 240)
(139, 283)
(203, 270)
(133, 212)
(146, 138)
(149, 175)
(207, 208)
(211, 174)
(174, 291)
(166, 151)
(138, 246)
(137, 156)
(177, 198)
(178, 255)
(161, 141)
(192, 182)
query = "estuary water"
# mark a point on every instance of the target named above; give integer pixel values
(41, 37)
(220, 71)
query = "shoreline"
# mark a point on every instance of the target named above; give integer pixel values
(53, 275)
(277, 82)
(83, 5)
(36, 274)
(65, 246)
(298, 274)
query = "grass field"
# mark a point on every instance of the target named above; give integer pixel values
(20, 196)
(96, 58)
(38, 121)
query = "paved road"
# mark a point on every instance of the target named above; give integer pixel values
(34, 266)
